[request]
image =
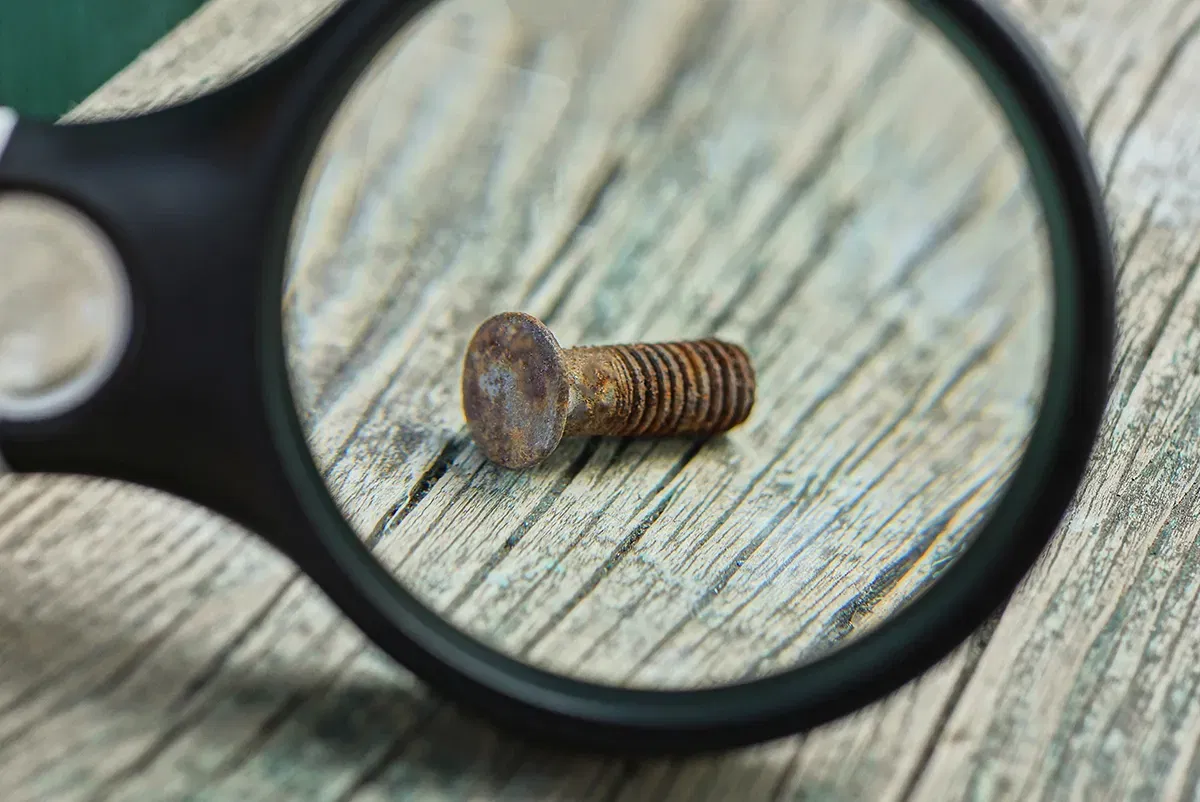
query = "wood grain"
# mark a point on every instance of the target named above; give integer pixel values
(848, 209)
(151, 651)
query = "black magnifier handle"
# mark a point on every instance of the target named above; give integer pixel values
(184, 195)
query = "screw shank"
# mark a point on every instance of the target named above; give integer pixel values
(604, 395)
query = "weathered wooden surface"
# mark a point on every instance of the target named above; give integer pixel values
(821, 182)
(148, 651)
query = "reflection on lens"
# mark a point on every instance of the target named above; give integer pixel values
(63, 309)
(824, 183)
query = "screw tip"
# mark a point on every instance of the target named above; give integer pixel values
(516, 392)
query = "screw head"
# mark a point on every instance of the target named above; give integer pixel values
(516, 390)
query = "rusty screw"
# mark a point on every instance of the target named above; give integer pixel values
(522, 392)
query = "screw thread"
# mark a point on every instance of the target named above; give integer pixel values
(662, 389)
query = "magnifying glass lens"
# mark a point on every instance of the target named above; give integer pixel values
(824, 187)
(64, 307)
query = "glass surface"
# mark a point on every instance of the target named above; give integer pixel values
(824, 183)
(64, 305)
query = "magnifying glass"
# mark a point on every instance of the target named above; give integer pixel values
(650, 376)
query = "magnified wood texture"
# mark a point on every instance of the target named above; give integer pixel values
(151, 651)
(823, 183)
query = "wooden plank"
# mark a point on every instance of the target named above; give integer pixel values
(1088, 688)
(894, 310)
(54, 54)
(151, 651)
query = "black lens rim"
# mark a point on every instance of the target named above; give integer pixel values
(568, 713)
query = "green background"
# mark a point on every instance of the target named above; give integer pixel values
(54, 53)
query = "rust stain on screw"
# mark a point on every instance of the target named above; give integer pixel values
(523, 393)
